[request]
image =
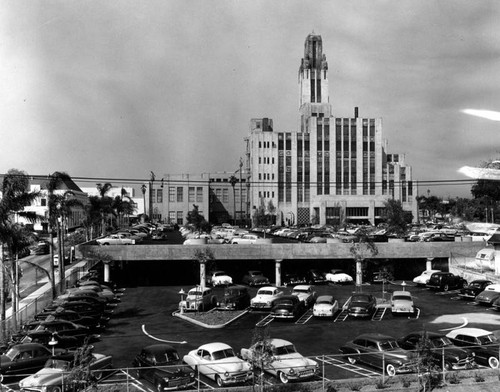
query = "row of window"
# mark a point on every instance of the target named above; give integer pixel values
(222, 194)
(266, 160)
(176, 194)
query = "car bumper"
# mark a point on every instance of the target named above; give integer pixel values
(322, 313)
(259, 305)
(178, 384)
(238, 378)
(301, 375)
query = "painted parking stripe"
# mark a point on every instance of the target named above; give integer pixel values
(348, 366)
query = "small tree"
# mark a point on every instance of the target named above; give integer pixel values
(197, 221)
(81, 377)
(396, 218)
(427, 369)
(363, 248)
(261, 351)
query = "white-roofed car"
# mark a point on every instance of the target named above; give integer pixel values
(219, 362)
(489, 295)
(199, 298)
(338, 276)
(219, 278)
(325, 306)
(402, 302)
(115, 239)
(423, 278)
(286, 364)
(306, 294)
(245, 239)
(265, 298)
(484, 344)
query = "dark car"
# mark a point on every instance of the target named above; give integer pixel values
(484, 344)
(62, 327)
(362, 305)
(439, 237)
(446, 281)
(474, 288)
(443, 350)
(235, 297)
(380, 351)
(293, 278)
(255, 278)
(288, 307)
(22, 359)
(48, 339)
(160, 364)
(314, 276)
(489, 295)
(83, 308)
(70, 315)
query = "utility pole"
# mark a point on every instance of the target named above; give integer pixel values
(241, 192)
(151, 190)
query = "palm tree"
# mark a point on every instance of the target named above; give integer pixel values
(122, 207)
(105, 204)
(233, 180)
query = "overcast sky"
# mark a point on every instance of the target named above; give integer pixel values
(121, 88)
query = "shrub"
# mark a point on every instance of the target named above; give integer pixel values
(380, 384)
(478, 377)
(331, 388)
(406, 382)
(453, 378)
(354, 386)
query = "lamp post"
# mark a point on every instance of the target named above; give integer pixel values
(52, 344)
(143, 189)
(151, 193)
(241, 194)
(181, 293)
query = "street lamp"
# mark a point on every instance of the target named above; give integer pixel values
(52, 343)
(181, 293)
(143, 189)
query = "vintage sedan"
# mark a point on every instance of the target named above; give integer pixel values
(199, 298)
(265, 298)
(235, 297)
(423, 278)
(219, 362)
(54, 376)
(219, 278)
(286, 364)
(325, 306)
(402, 303)
(26, 358)
(314, 276)
(161, 365)
(474, 288)
(115, 239)
(484, 344)
(489, 295)
(445, 281)
(443, 350)
(361, 305)
(255, 278)
(288, 307)
(305, 293)
(338, 276)
(245, 239)
(380, 351)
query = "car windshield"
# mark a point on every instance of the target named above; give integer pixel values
(167, 356)
(360, 298)
(195, 293)
(324, 301)
(265, 292)
(221, 273)
(58, 364)
(388, 345)
(476, 284)
(297, 291)
(286, 302)
(401, 298)
(12, 353)
(441, 341)
(488, 339)
(283, 350)
(228, 293)
(227, 353)
(255, 273)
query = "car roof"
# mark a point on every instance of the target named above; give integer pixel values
(216, 346)
(302, 287)
(267, 288)
(237, 286)
(159, 348)
(469, 331)
(279, 342)
(325, 298)
(375, 336)
(401, 293)
(492, 287)
(430, 334)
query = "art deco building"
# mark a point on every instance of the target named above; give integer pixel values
(332, 169)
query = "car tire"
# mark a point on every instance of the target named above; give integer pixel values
(390, 370)
(283, 378)
(56, 388)
(159, 386)
(493, 362)
(351, 360)
(464, 284)
(97, 375)
(446, 287)
(448, 366)
(219, 381)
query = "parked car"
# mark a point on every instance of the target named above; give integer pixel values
(245, 239)
(219, 362)
(219, 278)
(489, 295)
(474, 288)
(306, 294)
(454, 357)
(115, 239)
(325, 306)
(235, 297)
(265, 297)
(382, 276)
(255, 278)
(483, 343)
(42, 248)
(402, 302)
(46, 338)
(380, 351)
(423, 278)
(338, 276)
(26, 358)
(288, 307)
(93, 323)
(446, 281)
(199, 298)
(292, 279)
(54, 376)
(361, 305)
(314, 276)
(63, 328)
(161, 365)
(435, 237)
(286, 364)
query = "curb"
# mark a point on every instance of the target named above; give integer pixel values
(209, 326)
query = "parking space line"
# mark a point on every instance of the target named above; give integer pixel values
(305, 317)
(348, 366)
(265, 321)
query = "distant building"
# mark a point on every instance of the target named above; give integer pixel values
(333, 169)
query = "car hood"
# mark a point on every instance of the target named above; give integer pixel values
(262, 298)
(454, 352)
(232, 364)
(402, 302)
(323, 306)
(294, 360)
(5, 360)
(45, 376)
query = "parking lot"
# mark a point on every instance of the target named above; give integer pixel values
(144, 317)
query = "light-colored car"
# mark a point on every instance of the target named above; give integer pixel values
(199, 299)
(56, 371)
(325, 306)
(306, 294)
(338, 276)
(265, 297)
(286, 364)
(219, 362)
(402, 302)
(115, 239)
(484, 344)
(423, 278)
(132, 236)
(489, 295)
(245, 239)
(219, 278)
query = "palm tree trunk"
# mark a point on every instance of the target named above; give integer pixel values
(52, 269)
(2, 295)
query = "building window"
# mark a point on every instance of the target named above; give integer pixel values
(191, 194)
(43, 202)
(171, 216)
(171, 194)
(218, 194)
(180, 194)
(199, 194)
(179, 217)
(159, 195)
(225, 195)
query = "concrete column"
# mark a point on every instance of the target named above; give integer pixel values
(278, 272)
(359, 275)
(428, 263)
(202, 273)
(106, 272)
